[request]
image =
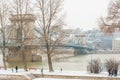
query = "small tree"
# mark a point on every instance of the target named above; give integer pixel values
(94, 66)
(4, 13)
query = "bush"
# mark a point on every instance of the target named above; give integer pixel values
(112, 64)
(94, 66)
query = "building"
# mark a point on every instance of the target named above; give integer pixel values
(116, 40)
(116, 44)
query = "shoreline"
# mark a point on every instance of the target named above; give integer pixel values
(45, 76)
(36, 74)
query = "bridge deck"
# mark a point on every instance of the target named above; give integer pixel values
(40, 46)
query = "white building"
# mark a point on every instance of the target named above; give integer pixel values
(116, 40)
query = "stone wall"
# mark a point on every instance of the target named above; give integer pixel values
(16, 55)
(76, 77)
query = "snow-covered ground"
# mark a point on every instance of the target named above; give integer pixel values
(73, 73)
(56, 72)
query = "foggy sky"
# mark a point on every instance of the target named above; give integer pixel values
(84, 13)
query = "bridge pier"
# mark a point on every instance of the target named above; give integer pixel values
(80, 51)
(16, 55)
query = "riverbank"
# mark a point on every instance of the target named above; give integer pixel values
(56, 75)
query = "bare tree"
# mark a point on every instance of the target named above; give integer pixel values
(50, 23)
(4, 13)
(20, 14)
(112, 20)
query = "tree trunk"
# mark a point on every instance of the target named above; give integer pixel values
(3, 51)
(4, 60)
(24, 59)
(50, 62)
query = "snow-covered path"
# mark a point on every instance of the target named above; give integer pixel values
(56, 72)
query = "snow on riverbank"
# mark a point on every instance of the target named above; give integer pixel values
(56, 72)
(73, 73)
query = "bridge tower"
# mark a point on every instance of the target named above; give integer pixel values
(22, 35)
(24, 31)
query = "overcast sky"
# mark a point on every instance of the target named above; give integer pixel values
(84, 13)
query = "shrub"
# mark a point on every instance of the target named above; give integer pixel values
(112, 64)
(94, 66)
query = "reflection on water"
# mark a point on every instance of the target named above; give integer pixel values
(76, 63)
(29, 64)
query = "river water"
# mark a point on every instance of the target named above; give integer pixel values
(76, 63)
(79, 63)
